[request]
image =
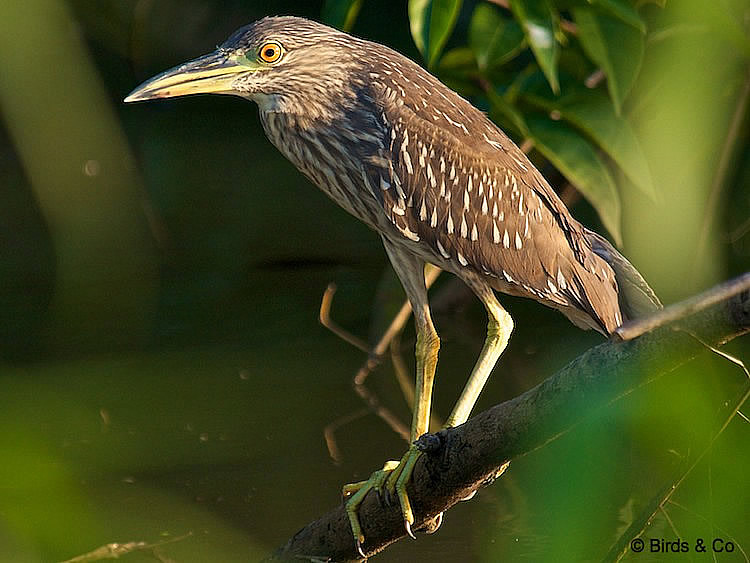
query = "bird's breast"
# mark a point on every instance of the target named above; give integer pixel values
(328, 159)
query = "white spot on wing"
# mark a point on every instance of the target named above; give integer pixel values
(431, 176)
(442, 250)
(408, 233)
(492, 143)
(407, 163)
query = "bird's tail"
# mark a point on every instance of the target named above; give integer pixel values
(636, 298)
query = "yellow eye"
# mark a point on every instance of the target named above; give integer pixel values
(270, 52)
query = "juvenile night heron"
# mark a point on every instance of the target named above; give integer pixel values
(433, 176)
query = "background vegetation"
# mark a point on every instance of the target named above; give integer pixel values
(163, 376)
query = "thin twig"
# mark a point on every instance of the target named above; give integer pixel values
(636, 529)
(618, 551)
(527, 145)
(636, 327)
(324, 316)
(117, 550)
(374, 358)
(329, 433)
(711, 523)
(595, 78)
(669, 521)
(740, 231)
(719, 180)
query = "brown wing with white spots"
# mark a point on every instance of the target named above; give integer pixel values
(456, 182)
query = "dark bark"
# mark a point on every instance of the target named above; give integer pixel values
(473, 454)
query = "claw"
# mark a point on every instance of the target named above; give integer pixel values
(407, 525)
(388, 483)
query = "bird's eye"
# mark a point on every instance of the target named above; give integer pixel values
(270, 52)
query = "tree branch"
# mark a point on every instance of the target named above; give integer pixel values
(463, 459)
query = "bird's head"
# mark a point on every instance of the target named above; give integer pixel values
(283, 63)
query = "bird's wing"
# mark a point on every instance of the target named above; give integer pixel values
(455, 181)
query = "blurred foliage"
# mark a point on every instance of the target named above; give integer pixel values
(163, 374)
(432, 22)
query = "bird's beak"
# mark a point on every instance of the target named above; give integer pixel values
(210, 74)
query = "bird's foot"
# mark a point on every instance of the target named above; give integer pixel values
(387, 482)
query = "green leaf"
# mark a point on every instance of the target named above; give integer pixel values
(494, 38)
(458, 59)
(540, 23)
(622, 10)
(613, 45)
(341, 13)
(458, 70)
(591, 111)
(577, 159)
(432, 22)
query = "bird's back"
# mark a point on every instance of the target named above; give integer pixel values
(460, 190)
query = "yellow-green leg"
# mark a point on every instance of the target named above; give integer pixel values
(499, 328)
(395, 475)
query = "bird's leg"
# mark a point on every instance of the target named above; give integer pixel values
(499, 327)
(394, 476)
(426, 351)
(428, 345)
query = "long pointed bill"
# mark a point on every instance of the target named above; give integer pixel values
(210, 74)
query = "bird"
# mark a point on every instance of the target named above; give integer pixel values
(434, 177)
